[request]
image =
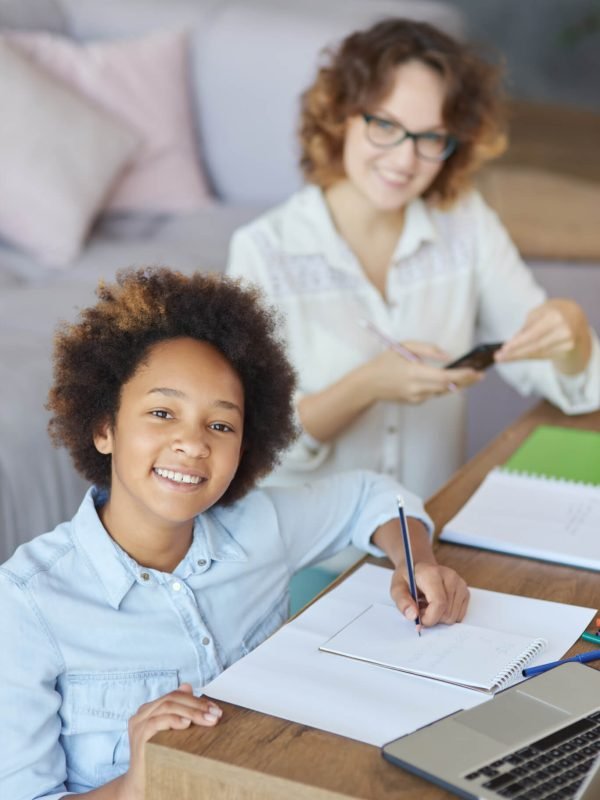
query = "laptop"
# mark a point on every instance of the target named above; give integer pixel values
(538, 740)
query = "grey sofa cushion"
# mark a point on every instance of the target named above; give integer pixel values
(43, 14)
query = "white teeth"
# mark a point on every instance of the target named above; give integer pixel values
(177, 477)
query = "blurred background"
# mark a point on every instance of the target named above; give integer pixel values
(551, 47)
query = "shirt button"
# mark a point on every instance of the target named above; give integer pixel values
(145, 576)
(176, 586)
(201, 562)
(205, 641)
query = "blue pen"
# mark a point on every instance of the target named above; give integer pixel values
(410, 567)
(593, 655)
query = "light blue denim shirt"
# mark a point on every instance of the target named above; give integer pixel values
(87, 635)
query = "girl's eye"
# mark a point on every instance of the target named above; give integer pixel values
(161, 413)
(221, 427)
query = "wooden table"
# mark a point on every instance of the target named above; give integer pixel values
(252, 756)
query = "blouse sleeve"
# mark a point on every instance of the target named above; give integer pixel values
(507, 293)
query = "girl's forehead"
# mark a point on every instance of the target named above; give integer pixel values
(187, 362)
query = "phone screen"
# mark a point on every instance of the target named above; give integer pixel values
(480, 357)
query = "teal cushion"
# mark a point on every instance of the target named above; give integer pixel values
(307, 584)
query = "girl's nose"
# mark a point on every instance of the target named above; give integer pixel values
(193, 443)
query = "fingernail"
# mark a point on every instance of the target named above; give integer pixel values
(186, 722)
(210, 717)
(215, 710)
(410, 613)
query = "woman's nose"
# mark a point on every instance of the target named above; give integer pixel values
(404, 154)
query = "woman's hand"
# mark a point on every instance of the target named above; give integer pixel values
(445, 595)
(393, 377)
(556, 330)
(174, 711)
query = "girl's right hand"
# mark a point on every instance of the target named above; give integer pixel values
(392, 377)
(174, 711)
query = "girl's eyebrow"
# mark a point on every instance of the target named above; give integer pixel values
(169, 392)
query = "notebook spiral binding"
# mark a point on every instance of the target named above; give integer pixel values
(512, 672)
(537, 476)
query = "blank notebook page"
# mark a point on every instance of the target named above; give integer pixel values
(536, 517)
(466, 655)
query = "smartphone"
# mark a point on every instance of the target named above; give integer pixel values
(480, 357)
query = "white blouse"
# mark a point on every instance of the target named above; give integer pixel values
(455, 278)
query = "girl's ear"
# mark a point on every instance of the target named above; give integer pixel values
(103, 438)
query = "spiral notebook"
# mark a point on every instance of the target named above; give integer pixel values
(525, 515)
(543, 503)
(465, 655)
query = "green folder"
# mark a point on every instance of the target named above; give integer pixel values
(567, 453)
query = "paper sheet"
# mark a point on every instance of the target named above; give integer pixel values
(288, 677)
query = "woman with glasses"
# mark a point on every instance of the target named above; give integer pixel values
(388, 265)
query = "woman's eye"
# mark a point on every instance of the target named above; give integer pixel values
(384, 124)
(434, 138)
(161, 413)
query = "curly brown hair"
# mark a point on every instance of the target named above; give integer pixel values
(95, 356)
(360, 74)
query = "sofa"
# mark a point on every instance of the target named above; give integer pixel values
(245, 66)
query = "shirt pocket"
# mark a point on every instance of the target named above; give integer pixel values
(95, 711)
(267, 624)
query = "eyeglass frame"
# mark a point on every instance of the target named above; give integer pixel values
(452, 141)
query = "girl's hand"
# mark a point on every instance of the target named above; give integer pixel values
(445, 594)
(556, 330)
(393, 377)
(174, 711)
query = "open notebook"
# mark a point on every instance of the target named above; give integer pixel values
(526, 515)
(543, 503)
(466, 655)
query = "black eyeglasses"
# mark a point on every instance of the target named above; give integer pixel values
(429, 145)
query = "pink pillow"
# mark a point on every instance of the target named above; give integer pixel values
(60, 156)
(143, 83)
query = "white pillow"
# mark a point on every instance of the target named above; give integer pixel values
(59, 158)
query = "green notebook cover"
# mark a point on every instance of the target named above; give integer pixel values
(554, 452)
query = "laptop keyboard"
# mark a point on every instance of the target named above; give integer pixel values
(552, 768)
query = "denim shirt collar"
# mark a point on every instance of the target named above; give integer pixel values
(117, 572)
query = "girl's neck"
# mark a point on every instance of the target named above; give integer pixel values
(150, 544)
(371, 234)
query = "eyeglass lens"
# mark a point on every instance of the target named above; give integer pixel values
(429, 145)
